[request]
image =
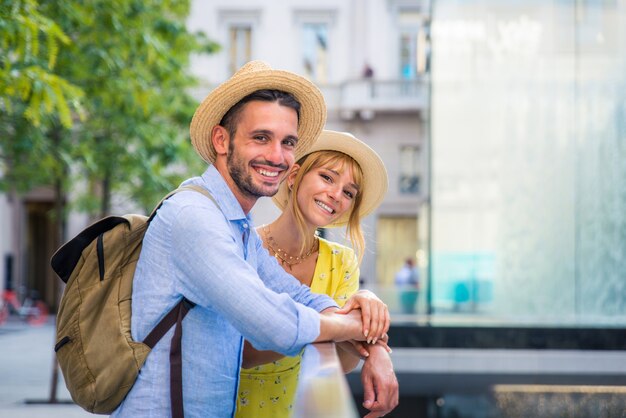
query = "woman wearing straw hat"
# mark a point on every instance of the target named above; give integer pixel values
(336, 183)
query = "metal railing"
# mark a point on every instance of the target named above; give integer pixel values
(323, 390)
(364, 95)
(382, 95)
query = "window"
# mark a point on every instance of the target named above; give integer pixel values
(414, 45)
(237, 30)
(409, 181)
(315, 51)
(408, 52)
(315, 26)
(240, 40)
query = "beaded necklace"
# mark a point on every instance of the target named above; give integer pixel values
(281, 255)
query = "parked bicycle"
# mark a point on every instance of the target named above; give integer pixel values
(33, 310)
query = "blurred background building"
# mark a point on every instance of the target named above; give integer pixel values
(503, 128)
(370, 59)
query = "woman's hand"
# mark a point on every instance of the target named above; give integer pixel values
(374, 312)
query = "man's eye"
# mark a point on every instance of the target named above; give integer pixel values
(290, 142)
(260, 138)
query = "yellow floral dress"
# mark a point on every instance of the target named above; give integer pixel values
(268, 391)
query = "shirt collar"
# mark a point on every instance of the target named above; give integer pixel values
(213, 181)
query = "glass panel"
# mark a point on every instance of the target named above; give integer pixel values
(528, 160)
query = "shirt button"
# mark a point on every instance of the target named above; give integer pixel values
(245, 225)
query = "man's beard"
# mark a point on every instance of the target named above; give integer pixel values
(245, 183)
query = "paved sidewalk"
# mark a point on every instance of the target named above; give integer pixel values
(26, 354)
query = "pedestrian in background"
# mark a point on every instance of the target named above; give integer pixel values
(407, 282)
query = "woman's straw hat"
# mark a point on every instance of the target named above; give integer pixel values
(375, 181)
(253, 76)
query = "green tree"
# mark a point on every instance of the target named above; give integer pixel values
(29, 45)
(32, 95)
(131, 58)
(96, 91)
(36, 104)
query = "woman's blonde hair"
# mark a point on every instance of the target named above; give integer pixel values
(337, 161)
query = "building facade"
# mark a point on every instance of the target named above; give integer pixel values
(370, 59)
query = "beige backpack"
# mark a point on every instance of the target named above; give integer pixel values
(95, 350)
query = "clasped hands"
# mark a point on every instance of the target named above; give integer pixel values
(373, 314)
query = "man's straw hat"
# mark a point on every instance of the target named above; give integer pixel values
(375, 181)
(253, 76)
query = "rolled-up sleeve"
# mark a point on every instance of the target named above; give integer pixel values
(213, 273)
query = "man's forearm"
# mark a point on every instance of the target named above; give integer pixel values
(340, 327)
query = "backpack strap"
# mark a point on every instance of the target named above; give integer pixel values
(176, 364)
(175, 316)
(188, 187)
(65, 258)
(168, 322)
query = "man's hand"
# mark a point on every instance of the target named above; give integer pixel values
(380, 386)
(375, 314)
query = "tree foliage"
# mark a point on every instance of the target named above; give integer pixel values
(129, 60)
(29, 45)
(33, 97)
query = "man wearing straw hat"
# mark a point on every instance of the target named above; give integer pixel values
(249, 129)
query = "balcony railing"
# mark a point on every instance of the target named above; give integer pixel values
(323, 390)
(382, 96)
(364, 97)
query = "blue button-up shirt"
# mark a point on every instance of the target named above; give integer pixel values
(216, 259)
